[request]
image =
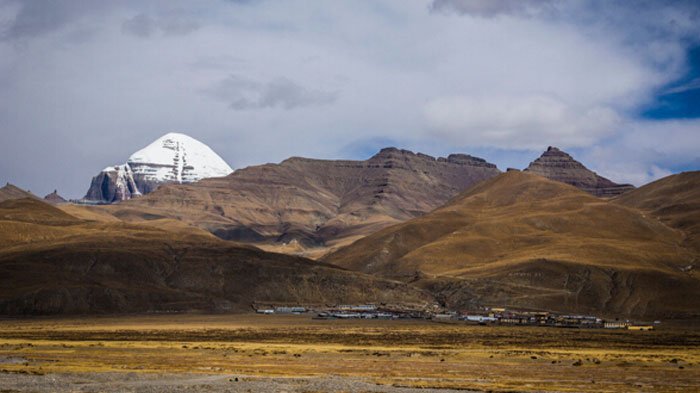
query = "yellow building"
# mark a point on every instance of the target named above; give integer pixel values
(640, 327)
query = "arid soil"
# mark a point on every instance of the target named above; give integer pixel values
(156, 383)
(297, 354)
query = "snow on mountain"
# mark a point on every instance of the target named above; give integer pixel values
(178, 158)
(172, 158)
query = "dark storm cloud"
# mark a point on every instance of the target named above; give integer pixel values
(242, 93)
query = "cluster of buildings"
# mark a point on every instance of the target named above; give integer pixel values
(365, 311)
(502, 316)
(486, 316)
(281, 310)
(348, 311)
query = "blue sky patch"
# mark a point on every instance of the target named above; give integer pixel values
(681, 99)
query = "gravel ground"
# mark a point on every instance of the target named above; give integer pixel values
(157, 383)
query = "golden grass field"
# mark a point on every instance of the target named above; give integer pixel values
(409, 353)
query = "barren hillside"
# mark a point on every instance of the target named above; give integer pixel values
(522, 240)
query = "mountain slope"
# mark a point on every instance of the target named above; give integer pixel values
(522, 240)
(172, 158)
(555, 164)
(675, 200)
(54, 263)
(10, 191)
(305, 204)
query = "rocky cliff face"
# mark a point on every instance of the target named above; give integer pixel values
(557, 165)
(309, 203)
(172, 158)
(114, 184)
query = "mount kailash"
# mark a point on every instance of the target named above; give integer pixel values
(172, 158)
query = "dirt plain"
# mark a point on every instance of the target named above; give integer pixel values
(253, 353)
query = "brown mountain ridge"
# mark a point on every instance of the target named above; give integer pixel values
(525, 241)
(309, 206)
(449, 228)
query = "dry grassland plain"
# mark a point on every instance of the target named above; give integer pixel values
(215, 350)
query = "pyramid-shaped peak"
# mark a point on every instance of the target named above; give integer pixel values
(172, 158)
(54, 197)
(558, 165)
(179, 158)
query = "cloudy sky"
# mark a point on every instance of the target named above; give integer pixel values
(83, 83)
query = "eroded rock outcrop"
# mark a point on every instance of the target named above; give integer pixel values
(54, 198)
(558, 165)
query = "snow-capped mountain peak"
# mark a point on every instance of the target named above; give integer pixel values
(172, 158)
(179, 158)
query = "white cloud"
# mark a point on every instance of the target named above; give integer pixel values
(173, 22)
(688, 86)
(494, 8)
(644, 150)
(328, 75)
(242, 93)
(527, 122)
